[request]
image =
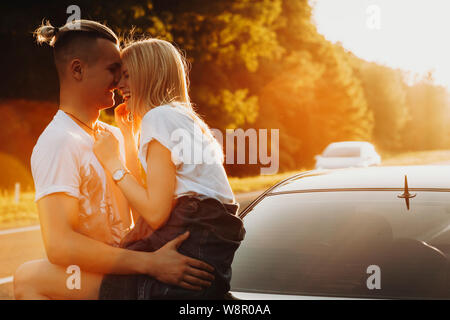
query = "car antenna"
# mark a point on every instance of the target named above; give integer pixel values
(406, 195)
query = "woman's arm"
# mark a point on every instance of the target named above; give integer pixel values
(131, 152)
(121, 114)
(153, 203)
(131, 155)
(132, 163)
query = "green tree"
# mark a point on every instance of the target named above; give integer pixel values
(429, 109)
(385, 93)
(313, 96)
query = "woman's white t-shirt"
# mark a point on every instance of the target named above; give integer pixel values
(196, 154)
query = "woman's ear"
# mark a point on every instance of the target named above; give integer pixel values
(76, 69)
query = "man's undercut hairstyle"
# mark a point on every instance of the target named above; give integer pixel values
(77, 39)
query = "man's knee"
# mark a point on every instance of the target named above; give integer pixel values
(25, 280)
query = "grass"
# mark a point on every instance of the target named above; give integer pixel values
(415, 157)
(19, 214)
(24, 213)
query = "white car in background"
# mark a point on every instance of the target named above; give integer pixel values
(348, 154)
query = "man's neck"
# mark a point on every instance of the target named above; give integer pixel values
(81, 111)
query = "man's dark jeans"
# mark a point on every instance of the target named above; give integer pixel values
(215, 235)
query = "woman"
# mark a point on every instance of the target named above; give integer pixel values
(186, 184)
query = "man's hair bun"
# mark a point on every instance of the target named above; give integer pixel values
(46, 33)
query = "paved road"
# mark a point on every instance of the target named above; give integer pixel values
(15, 249)
(23, 244)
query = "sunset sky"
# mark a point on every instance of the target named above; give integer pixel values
(413, 35)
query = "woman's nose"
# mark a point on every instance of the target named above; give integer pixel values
(121, 83)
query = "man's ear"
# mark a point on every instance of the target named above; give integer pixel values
(76, 69)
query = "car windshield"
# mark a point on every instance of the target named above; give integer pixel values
(342, 152)
(329, 243)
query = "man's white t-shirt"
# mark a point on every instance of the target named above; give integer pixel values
(63, 161)
(196, 155)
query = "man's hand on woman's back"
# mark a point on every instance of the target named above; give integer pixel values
(169, 266)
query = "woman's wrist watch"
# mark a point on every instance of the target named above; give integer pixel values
(119, 174)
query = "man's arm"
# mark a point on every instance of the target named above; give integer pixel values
(58, 215)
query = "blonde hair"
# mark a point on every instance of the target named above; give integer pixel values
(157, 76)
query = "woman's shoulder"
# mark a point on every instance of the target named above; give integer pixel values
(167, 112)
(162, 110)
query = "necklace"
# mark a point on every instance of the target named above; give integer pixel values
(78, 120)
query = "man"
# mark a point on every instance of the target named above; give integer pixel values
(82, 212)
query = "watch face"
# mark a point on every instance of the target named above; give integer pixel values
(118, 174)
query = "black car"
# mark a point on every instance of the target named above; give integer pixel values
(379, 232)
